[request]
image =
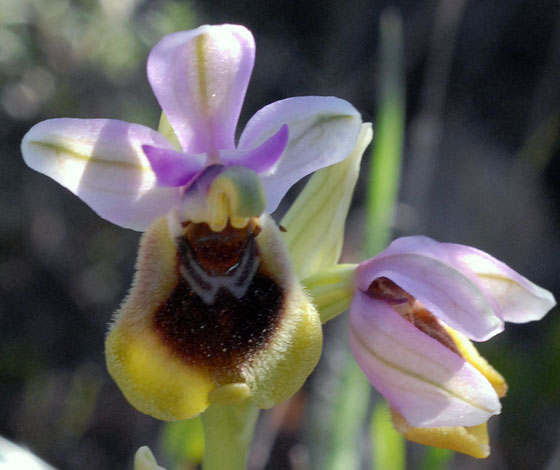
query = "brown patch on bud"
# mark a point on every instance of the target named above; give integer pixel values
(225, 306)
(411, 309)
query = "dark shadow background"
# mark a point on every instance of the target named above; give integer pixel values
(481, 167)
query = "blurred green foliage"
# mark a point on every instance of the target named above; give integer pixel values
(47, 45)
(182, 442)
(388, 446)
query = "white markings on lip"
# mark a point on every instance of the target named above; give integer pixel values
(236, 280)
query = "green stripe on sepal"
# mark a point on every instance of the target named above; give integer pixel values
(167, 131)
(315, 222)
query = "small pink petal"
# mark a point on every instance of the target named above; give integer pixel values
(173, 168)
(322, 131)
(200, 78)
(102, 162)
(424, 381)
(262, 158)
(424, 268)
(519, 299)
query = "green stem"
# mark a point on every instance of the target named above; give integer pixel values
(332, 290)
(389, 133)
(228, 431)
(350, 408)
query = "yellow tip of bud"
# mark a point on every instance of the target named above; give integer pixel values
(470, 440)
(473, 357)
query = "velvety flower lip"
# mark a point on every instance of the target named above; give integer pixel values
(421, 374)
(130, 174)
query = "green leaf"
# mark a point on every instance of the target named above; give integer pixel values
(388, 143)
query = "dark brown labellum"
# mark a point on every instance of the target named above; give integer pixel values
(224, 306)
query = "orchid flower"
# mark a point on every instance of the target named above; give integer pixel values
(216, 313)
(226, 308)
(413, 310)
(415, 307)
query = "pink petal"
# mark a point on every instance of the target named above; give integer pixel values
(173, 168)
(322, 131)
(260, 159)
(420, 378)
(519, 299)
(200, 78)
(102, 162)
(424, 268)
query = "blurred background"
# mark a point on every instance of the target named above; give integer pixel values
(481, 167)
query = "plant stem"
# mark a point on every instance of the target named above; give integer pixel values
(228, 431)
